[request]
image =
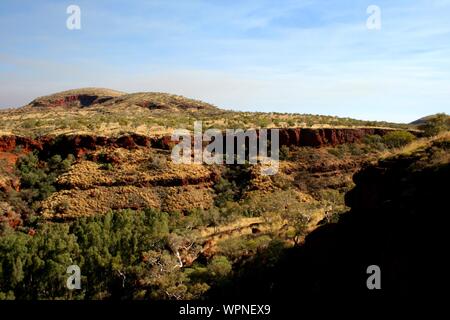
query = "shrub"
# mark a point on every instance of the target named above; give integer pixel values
(374, 142)
(263, 123)
(103, 157)
(235, 248)
(372, 139)
(37, 178)
(396, 139)
(284, 153)
(225, 192)
(355, 150)
(106, 166)
(219, 266)
(157, 162)
(232, 184)
(62, 207)
(338, 152)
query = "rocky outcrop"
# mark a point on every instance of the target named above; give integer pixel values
(9, 143)
(76, 98)
(116, 178)
(81, 144)
(308, 137)
(82, 100)
(12, 147)
(75, 203)
(76, 144)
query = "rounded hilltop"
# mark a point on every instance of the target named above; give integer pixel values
(431, 118)
(86, 97)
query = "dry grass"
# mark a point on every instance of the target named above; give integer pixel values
(138, 179)
(415, 145)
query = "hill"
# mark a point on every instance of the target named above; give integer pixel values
(88, 97)
(433, 124)
(90, 181)
(427, 119)
(108, 112)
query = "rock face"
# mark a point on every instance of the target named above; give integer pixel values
(82, 100)
(9, 143)
(80, 144)
(307, 137)
(77, 145)
(12, 147)
(76, 98)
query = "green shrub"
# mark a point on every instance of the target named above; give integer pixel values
(235, 248)
(338, 152)
(263, 122)
(284, 153)
(38, 177)
(225, 191)
(397, 139)
(373, 142)
(372, 139)
(219, 266)
(355, 150)
(106, 166)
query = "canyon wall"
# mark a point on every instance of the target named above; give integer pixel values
(79, 144)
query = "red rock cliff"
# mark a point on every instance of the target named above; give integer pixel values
(81, 144)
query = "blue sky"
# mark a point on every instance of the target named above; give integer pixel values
(288, 56)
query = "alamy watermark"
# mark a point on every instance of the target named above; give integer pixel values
(234, 146)
(374, 20)
(74, 280)
(374, 280)
(73, 22)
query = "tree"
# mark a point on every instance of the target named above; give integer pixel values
(34, 267)
(38, 177)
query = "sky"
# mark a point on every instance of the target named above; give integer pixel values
(303, 56)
